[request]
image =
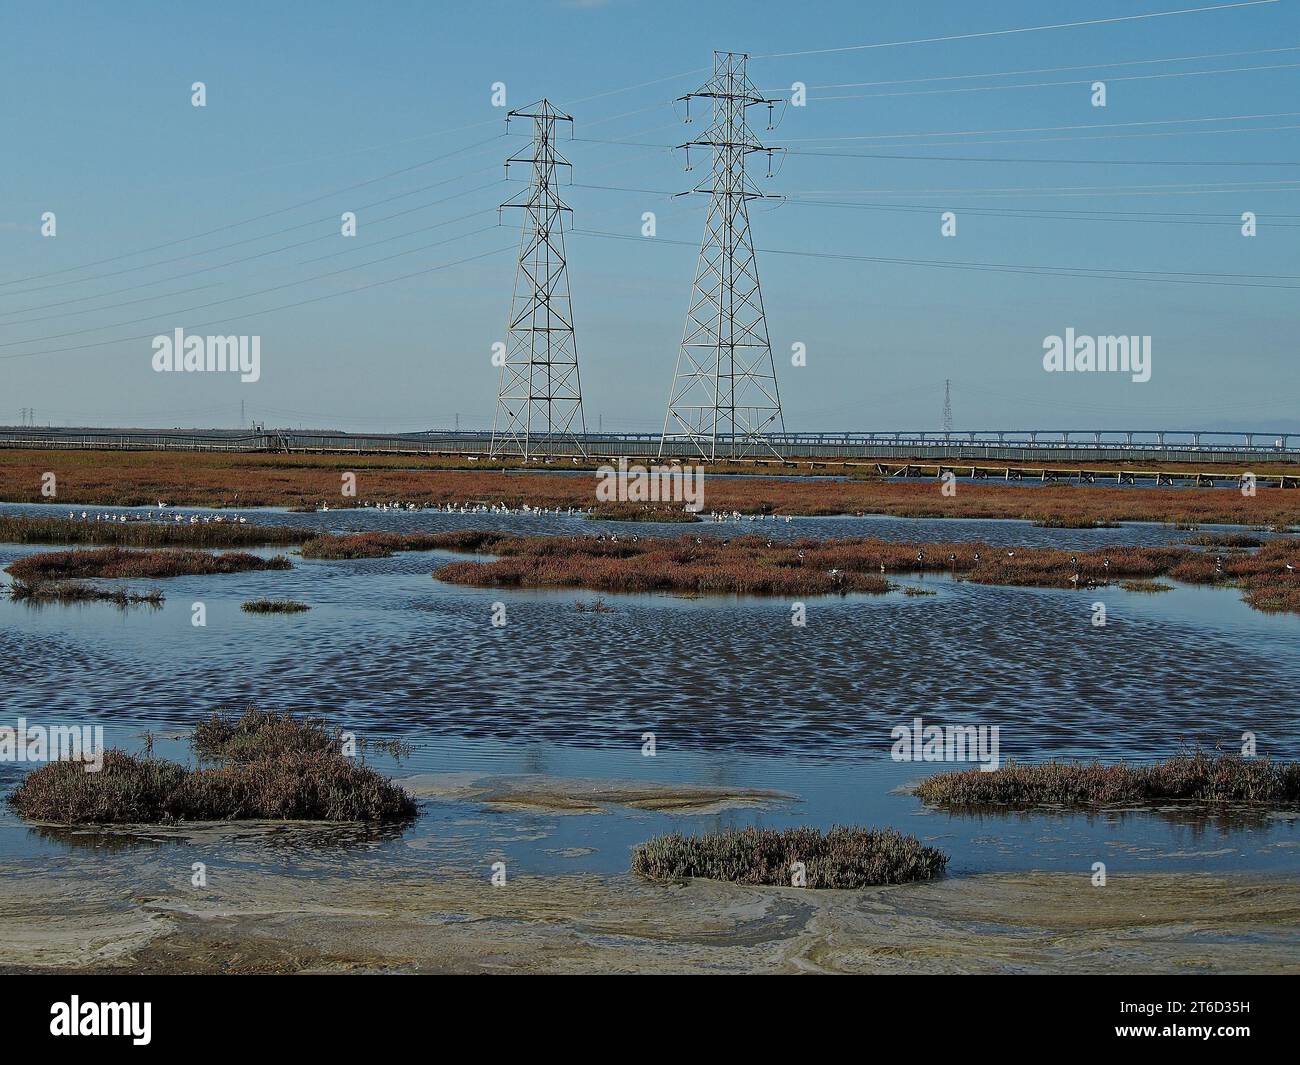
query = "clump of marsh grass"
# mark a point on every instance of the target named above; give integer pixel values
(274, 606)
(840, 858)
(367, 545)
(136, 790)
(1146, 586)
(119, 562)
(1224, 540)
(1278, 599)
(81, 592)
(1196, 777)
(126, 790)
(256, 735)
(269, 767)
(144, 533)
(1067, 522)
(294, 787)
(658, 512)
(756, 565)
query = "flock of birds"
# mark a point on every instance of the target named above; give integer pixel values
(158, 515)
(721, 517)
(479, 507)
(467, 508)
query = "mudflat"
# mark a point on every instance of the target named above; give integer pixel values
(411, 921)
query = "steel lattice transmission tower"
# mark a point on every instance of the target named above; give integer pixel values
(947, 407)
(539, 399)
(724, 398)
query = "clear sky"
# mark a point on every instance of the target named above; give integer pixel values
(384, 108)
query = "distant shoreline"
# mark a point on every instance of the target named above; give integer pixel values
(233, 481)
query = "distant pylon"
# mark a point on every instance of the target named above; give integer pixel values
(947, 407)
(539, 398)
(724, 398)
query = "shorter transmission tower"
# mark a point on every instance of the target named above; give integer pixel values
(539, 399)
(724, 399)
(947, 407)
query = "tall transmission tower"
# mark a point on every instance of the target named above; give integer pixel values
(539, 398)
(947, 407)
(724, 398)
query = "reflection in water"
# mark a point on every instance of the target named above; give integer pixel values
(1198, 818)
(286, 837)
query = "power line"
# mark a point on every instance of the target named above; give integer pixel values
(1015, 159)
(994, 159)
(245, 221)
(335, 192)
(1160, 276)
(259, 292)
(1050, 70)
(327, 236)
(1018, 29)
(197, 288)
(244, 296)
(1050, 84)
(1059, 214)
(270, 310)
(330, 255)
(1049, 129)
(1118, 190)
(250, 240)
(242, 259)
(639, 85)
(1115, 136)
(1105, 216)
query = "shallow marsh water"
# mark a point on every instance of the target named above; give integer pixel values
(509, 724)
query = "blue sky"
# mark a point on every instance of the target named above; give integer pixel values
(383, 108)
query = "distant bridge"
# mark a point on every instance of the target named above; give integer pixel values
(986, 447)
